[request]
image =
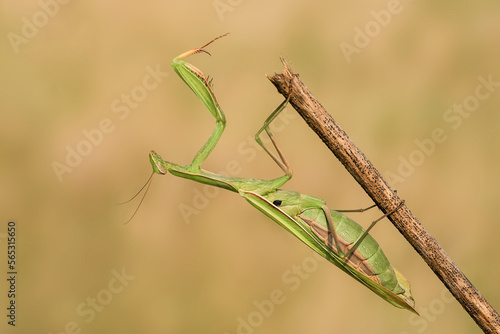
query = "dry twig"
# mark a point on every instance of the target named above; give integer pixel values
(386, 199)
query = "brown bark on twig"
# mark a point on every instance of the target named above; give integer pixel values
(386, 199)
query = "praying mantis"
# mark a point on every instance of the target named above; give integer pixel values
(330, 233)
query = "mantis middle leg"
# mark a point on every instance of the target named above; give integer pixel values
(281, 161)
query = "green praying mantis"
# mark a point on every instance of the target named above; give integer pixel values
(333, 235)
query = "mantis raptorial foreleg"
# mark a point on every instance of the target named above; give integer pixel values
(199, 84)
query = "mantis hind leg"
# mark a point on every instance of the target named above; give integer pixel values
(357, 210)
(332, 236)
(363, 236)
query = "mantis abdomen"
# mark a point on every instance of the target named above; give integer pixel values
(368, 257)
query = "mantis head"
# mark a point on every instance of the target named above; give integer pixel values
(156, 162)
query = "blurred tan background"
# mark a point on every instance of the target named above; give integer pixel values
(67, 69)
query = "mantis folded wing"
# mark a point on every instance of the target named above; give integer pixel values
(334, 236)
